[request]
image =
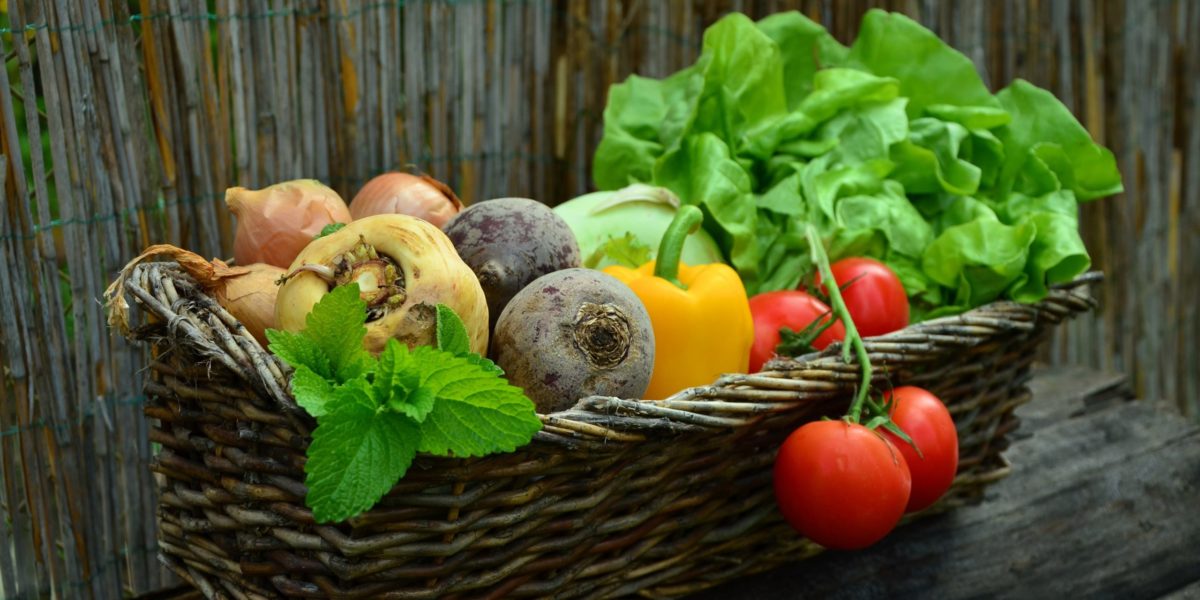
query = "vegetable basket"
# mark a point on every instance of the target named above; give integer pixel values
(613, 497)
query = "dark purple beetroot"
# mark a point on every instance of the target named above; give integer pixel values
(509, 242)
(575, 333)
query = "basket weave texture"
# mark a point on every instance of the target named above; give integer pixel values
(613, 497)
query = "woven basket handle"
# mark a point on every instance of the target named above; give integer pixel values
(194, 318)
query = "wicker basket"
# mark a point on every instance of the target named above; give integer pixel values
(613, 497)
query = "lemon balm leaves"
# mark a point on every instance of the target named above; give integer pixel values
(375, 413)
(358, 452)
(476, 413)
(331, 343)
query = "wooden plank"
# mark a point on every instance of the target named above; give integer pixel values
(1188, 141)
(1188, 592)
(1100, 503)
(1067, 392)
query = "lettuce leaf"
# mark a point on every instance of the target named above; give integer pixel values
(701, 170)
(892, 148)
(930, 72)
(1045, 138)
(804, 47)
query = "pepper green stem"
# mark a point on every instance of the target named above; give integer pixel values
(853, 339)
(687, 220)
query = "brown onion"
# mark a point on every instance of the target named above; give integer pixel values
(398, 193)
(275, 223)
(247, 292)
(250, 298)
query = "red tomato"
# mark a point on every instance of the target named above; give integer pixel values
(876, 298)
(842, 485)
(925, 419)
(787, 308)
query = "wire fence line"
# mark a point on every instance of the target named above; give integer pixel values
(152, 109)
(160, 205)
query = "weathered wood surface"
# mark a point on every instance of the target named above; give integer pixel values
(1102, 502)
(154, 107)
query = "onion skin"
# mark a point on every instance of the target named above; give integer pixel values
(398, 193)
(433, 274)
(246, 292)
(250, 298)
(275, 223)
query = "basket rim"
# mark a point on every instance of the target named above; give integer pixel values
(163, 289)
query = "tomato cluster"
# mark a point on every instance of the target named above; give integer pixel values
(873, 295)
(845, 486)
(840, 483)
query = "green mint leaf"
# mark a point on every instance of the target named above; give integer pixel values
(336, 324)
(331, 344)
(476, 413)
(451, 332)
(416, 405)
(484, 363)
(299, 350)
(357, 454)
(394, 374)
(328, 229)
(312, 391)
(397, 383)
(626, 250)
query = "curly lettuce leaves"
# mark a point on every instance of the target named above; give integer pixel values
(1044, 139)
(892, 148)
(702, 168)
(978, 260)
(928, 161)
(930, 72)
(804, 47)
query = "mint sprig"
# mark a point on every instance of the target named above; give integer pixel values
(358, 452)
(312, 390)
(452, 337)
(477, 411)
(375, 413)
(332, 341)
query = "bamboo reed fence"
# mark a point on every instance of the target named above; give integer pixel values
(146, 110)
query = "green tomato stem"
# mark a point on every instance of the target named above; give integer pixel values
(687, 220)
(853, 339)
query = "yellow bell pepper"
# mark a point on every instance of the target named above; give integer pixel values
(700, 314)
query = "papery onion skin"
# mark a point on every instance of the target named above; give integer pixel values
(432, 270)
(247, 292)
(399, 193)
(275, 223)
(250, 298)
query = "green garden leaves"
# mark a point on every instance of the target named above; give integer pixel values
(374, 414)
(892, 148)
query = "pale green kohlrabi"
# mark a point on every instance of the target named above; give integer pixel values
(624, 227)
